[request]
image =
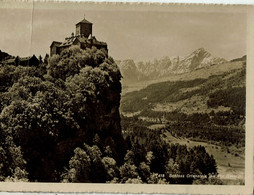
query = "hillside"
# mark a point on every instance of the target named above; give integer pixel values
(186, 92)
(200, 98)
(167, 66)
(204, 107)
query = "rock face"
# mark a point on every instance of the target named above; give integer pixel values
(166, 66)
(95, 98)
(129, 70)
(196, 60)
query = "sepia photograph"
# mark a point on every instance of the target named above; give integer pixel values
(123, 94)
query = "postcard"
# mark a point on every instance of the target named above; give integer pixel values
(126, 98)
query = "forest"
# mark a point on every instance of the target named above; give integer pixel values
(168, 159)
(60, 122)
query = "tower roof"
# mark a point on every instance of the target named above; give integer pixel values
(84, 21)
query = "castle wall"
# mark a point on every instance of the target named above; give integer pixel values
(54, 48)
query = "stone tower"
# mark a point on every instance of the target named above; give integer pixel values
(84, 28)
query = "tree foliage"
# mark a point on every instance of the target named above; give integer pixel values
(49, 111)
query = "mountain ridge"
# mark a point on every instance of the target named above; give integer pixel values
(166, 66)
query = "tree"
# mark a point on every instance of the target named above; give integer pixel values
(98, 175)
(144, 171)
(40, 59)
(96, 140)
(108, 152)
(79, 167)
(149, 157)
(46, 58)
(111, 168)
(155, 179)
(128, 171)
(17, 61)
(18, 175)
(6, 77)
(48, 112)
(172, 167)
(33, 119)
(129, 157)
(134, 180)
(13, 165)
(209, 181)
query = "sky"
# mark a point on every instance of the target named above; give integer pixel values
(130, 32)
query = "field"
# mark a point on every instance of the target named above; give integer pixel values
(230, 167)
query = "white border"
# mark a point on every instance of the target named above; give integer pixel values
(151, 188)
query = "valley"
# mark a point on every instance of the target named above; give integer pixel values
(196, 108)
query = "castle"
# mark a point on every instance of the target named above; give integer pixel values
(83, 39)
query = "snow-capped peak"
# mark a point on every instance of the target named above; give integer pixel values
(165, 66)
(200, 58)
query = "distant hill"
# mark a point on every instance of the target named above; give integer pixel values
(244, 58)
(142, 71)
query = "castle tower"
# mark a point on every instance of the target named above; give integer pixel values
(83, 39)
(84, 28)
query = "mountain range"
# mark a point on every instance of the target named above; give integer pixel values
(166, 66)
(218, 88)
